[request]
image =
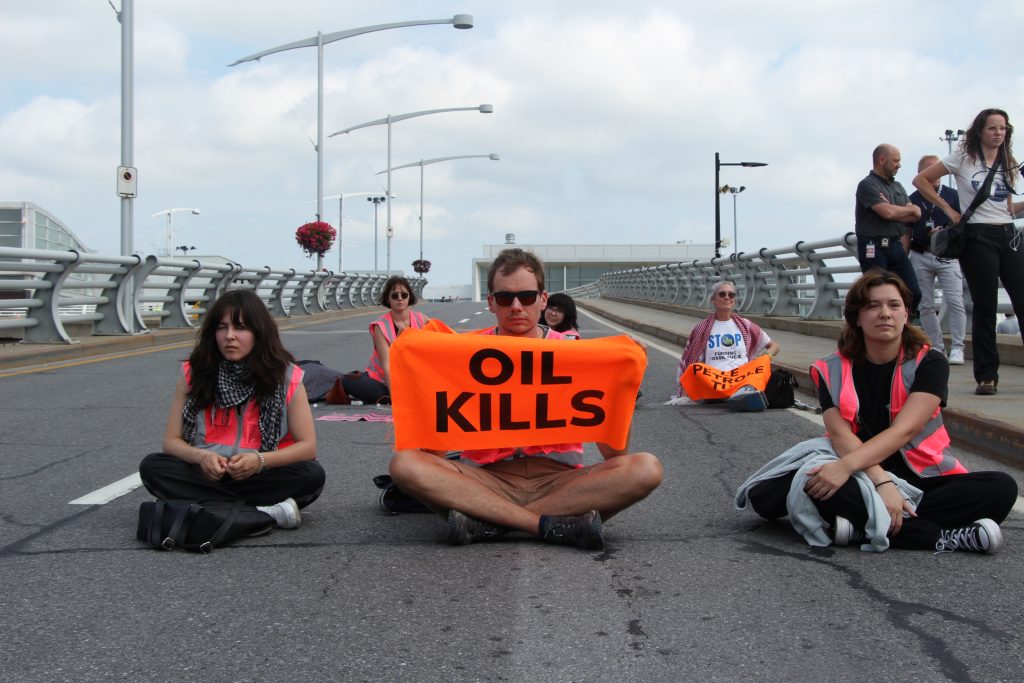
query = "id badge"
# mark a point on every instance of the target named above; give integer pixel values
(869, 250)
(885, 243)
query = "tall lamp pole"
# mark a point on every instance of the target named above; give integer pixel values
(319, 40)
(426, 162)
(169, 231)
(950, 138)
(376, 203)
(389, 119)
(718, 207)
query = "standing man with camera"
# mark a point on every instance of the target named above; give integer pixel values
(881, 211)
(928, 267)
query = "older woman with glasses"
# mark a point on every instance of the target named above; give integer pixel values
(725, 340)
(372, 386)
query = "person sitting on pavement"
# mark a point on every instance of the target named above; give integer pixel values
(560, 315)
(545, 491)
(373, 385)
(883, 475)
(727, 341)
(240, 427)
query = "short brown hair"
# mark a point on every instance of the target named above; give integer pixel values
(851, 339)
(511, 260)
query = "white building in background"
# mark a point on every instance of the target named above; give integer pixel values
(572, 265)
(27, 226)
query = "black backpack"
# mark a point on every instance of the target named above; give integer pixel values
(198, 526)
(780, 389)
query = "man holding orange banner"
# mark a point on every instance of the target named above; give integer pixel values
(499, 393)
(727, 356)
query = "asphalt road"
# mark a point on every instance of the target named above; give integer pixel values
(687, 588)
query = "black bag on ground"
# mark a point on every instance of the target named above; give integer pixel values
(318, 379)
(780, 389)
(394, 500)
(198, 526)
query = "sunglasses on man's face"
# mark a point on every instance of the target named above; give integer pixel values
(526, 297)
(727, 295)
(395, 296)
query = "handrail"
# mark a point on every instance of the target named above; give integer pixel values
(49, 289)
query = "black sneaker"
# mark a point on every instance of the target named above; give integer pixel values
(983, 536)
(986, 388)
(582, 531)
(463, 529)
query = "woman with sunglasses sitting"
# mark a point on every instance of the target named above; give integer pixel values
(725, 340)
(372, 386)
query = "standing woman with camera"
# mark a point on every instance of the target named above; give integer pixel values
(995, 246)
(373, 385)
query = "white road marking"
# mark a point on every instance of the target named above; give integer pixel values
(110, 492)
(479, 312)
(464, 320)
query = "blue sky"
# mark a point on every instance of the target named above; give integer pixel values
(607, 117)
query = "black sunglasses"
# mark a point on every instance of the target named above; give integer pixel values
(727, 295)
(526, 297)
(399, 295)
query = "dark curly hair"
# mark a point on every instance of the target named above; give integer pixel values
(970, 145)
(394, 281)
(267, 362)
(851, 339)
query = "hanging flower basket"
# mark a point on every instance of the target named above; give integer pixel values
(315, 238)
(421, 265)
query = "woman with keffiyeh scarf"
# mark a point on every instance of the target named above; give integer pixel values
(240, 427)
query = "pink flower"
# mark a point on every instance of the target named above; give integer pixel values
(315, 238)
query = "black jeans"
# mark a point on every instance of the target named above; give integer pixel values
(949, 502)
(364, 388)
(171, 478)
(989, 258)
(892, 258)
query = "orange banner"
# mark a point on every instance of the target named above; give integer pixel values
(471, 391)
(702, 382)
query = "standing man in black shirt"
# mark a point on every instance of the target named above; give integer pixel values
(881, 212)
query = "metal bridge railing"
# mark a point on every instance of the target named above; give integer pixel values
(43, 291)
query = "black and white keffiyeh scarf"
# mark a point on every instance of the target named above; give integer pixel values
(234, 388)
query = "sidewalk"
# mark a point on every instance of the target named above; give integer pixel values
(992, 425)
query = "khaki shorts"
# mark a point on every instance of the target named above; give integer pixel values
(522, 480)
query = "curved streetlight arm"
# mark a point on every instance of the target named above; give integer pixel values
(483, 109)
(168, 212)
(427, 162)
(459, 21)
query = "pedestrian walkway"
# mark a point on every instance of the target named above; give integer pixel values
(992, 425)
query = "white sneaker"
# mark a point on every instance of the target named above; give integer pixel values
(286, 513)
(956, 357)
(844, 533)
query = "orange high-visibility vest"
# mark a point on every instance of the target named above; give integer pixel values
(926, 452)
(387, 328)
(219, 429)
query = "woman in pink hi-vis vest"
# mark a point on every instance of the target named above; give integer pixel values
(881, 396)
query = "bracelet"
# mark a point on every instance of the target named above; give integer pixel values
(883, 483)
(263, 463)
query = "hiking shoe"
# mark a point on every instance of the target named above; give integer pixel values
(747, 399)
(286, 513)
(463, 529)
(582, 531)
(986, 388)
(844, 532)
(956, 356)
(983, 536)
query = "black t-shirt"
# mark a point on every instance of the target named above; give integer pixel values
(873, 384)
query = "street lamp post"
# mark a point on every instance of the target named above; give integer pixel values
(389, 119)
(718, 207)
(735, 237)
(461, 21)
(341, 219)
(950, 138)
(426, 162)
(376, 203)
(169, 231)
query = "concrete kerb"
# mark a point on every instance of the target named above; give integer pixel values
(993, 438)
(21, 355)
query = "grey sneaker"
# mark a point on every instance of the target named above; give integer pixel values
(747, 399)
(582, 531)
(983, 536)
(463, 529)
(286, 513)
(844, 533)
